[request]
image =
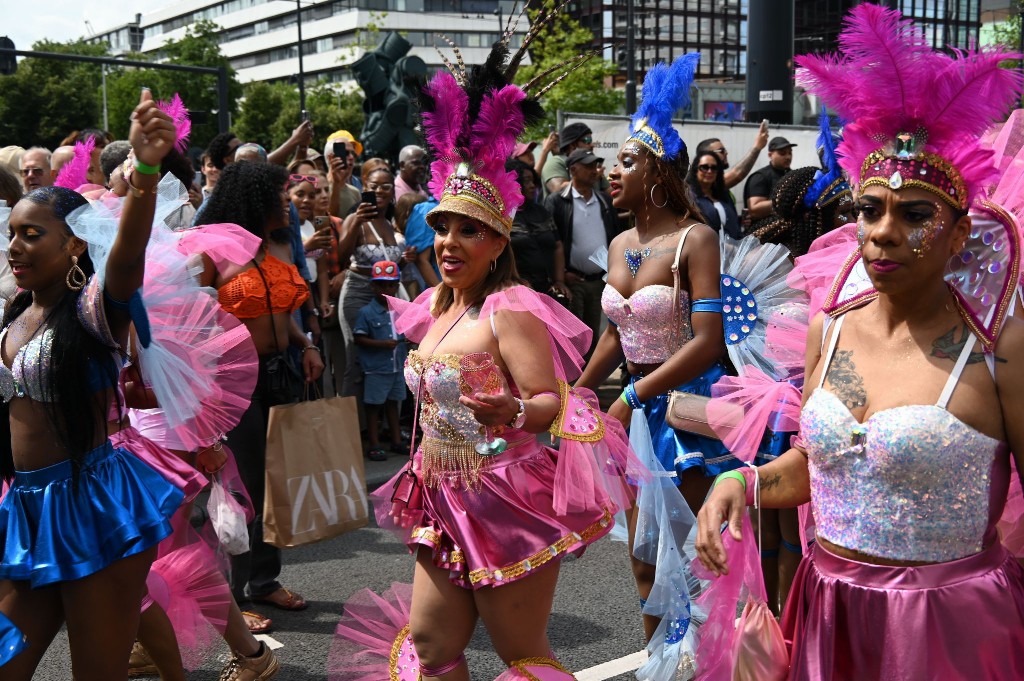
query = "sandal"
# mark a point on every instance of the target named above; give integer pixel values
(257, 623)
(377, 454)
(291, 600)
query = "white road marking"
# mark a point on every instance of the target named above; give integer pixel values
(613, 668)
(271, 642)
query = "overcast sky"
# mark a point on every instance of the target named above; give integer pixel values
(62, 20)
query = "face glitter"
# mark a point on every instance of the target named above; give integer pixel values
(921, 238)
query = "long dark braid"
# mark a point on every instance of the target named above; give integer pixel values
(72, 408)
(792, 223)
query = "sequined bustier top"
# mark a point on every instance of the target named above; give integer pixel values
(912, 483)
(26, 377)
(644, 321)
(450, 431)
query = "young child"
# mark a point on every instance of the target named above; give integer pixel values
(382, 356)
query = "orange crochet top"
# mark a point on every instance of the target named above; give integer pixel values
(245, 296)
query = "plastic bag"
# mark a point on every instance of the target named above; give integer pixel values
(228, 519)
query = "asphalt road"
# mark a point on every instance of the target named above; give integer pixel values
(595, 617)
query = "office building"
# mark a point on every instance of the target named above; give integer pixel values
(260, 37)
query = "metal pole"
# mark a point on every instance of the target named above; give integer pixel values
(302, 74)
(106, 122)
(223, 113)
(630, 60)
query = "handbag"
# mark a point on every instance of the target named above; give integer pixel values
(407, 493)
(689, 412)
(281, 377)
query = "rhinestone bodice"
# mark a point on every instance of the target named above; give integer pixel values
(911, 483)
(645, 322)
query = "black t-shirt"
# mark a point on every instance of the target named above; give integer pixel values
(533, 243)
(762, 182)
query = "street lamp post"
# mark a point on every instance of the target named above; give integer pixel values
(302, 74)
(630, 59)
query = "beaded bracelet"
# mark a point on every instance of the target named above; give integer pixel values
(631, 398)
(146, 169)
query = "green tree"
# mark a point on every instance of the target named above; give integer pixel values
(45, 100)
(1007, 33)
(198, 47)
(271, 112)
(584, 90)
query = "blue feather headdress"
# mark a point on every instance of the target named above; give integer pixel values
(829, 184)
(666, 90)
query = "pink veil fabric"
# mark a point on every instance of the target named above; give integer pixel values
(720, 651)
(188, 585)
(569, 338)
(373, 629)
(765, 402)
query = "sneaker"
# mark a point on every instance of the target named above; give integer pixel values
(140, 663)
(258, 668)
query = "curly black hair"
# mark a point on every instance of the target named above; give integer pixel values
(718, 189)
(77, 357)
(246, 194)
(180, 166)
(792, 223)
(219, 148)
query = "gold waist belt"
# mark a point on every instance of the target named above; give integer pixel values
(456, 461)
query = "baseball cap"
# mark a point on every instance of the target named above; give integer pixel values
(523, 148)
(779, 143)
(582, 156)
(572, 133)
(385, 270)
(346, 136)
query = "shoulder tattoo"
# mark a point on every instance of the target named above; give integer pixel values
(847, 383)
(948, 346)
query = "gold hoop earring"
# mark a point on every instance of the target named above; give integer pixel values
(655, 204)
(494, 265)
(76, 279)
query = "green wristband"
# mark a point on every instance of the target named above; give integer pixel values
(146, 169)
(625, 399)
(735, 475)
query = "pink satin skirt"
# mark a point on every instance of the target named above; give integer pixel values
(504, 527)
(958, 620)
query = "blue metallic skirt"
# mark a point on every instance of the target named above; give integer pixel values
(53, 531)
(678, 450)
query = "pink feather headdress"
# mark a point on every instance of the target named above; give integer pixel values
(75, 172)
(916, 115)
(471, 119)
(182, 123)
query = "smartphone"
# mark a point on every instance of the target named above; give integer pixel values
(321, 222)
(370, 197)
(198, 179)
(305, 116)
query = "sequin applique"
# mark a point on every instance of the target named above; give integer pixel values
(910, 483)
(645, 322)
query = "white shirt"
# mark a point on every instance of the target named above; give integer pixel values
(587, 232)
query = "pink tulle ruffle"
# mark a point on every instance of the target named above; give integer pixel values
(815, 272)
(569, 338)
(187, 584)
(765, 402)
(368, 634)
(229, 246)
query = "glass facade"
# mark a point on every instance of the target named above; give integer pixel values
(665, 29)
(946, 23)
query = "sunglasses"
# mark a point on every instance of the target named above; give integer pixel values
(25, 172)
(587, 139)
(386, 187)
(719, 150)
(296, 179)
(705, 168)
